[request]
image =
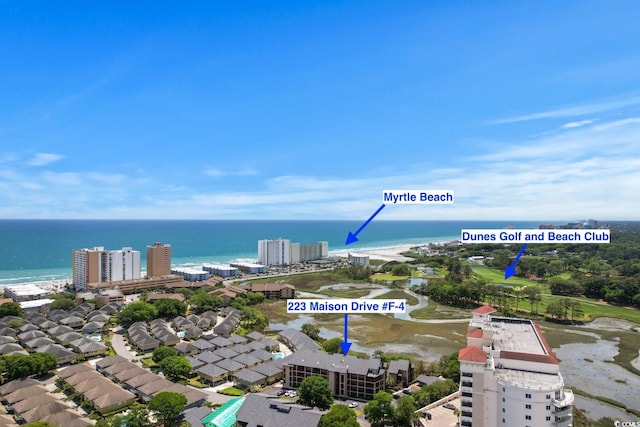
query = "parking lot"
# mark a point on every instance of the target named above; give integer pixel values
(441, 416)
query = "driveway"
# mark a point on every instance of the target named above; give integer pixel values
(119, 344)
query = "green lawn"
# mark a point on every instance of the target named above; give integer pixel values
(494, 276)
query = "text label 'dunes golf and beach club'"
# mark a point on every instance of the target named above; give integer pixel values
(535, 236)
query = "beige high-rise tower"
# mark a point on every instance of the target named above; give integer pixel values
(158, 260)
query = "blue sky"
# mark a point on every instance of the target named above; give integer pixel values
(308, 110)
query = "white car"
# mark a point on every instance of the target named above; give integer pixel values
(353, 405)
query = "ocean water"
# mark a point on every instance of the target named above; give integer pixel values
(40, 250)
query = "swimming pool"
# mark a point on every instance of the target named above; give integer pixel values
(278, 355)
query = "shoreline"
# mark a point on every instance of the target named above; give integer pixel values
(386, 253)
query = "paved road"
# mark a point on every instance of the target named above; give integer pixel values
(119, 345)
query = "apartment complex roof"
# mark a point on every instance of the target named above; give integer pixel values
(472, 354)
(335, 362)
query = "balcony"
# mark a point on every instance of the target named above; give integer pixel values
(567, 399)
(565, 412)
(564, 422)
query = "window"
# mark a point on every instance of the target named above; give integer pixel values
(528, 396)
(503, 389)
(548, 396)
(503, 421)
(503, 400)
(504, 410)
(527, 417)
(548, 418)
(527, 406)
(548, 407)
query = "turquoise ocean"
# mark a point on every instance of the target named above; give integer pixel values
(40, 250)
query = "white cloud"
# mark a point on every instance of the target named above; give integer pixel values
(216, 172)
(572, 125)
(575, 110)
(43, 159)
(584, 171)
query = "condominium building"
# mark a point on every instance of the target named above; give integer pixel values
(348, 376)
(302, 252)
(274, 252)
(283, 252)
(158, 260)
(98, 265)
(510, 376)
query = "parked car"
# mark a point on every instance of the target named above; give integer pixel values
(353, 405)
(426, 415)
(280, 392)
(449, 406)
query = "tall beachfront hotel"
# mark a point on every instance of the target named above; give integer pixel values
(274, 252)
(283, 252)
(509, 376)
(158, 260)
(99, 265)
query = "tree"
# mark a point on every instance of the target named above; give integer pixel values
(400, 270)
(10, 309)
(22, 366)
(168, 307)
(310, 330)
(39, 424)
(175, 367)
(253, 319)
(556, 310)
(315, 391)
(379, 411)
(138, 416)
(168, 405)
(533, 293)
(138, 311)
(62, 304)
(254, 298)
(339, 416)
(405, 412)
(201, 301)
(451, 367)
(332, 345)
(43, 362)
(162, 352)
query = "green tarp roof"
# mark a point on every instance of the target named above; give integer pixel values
(224, 416)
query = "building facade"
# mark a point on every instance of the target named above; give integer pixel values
(348, 376)
(302, 252)
(509, 375)
(158, 260)
(98, 265)
(274, 252)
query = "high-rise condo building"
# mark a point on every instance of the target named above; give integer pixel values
(158, 260)
(509, 376)
(99, 265)
(282, 251)
(274, 252)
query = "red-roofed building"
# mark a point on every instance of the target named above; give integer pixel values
(484, 309)
(472, 354)
(510, 376)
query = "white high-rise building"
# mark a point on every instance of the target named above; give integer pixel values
(99, 265)
(509, 376)
(274, 252)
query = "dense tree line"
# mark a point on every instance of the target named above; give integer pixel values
(21, 366)
(467, 294)
(610, 272)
